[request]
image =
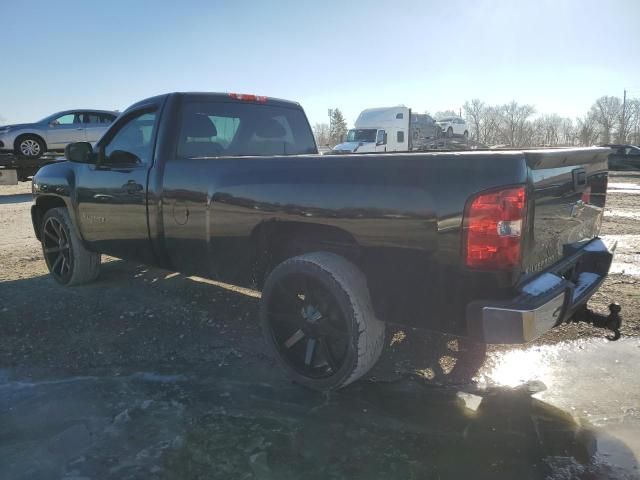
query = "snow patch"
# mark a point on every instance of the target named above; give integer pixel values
(543, 283)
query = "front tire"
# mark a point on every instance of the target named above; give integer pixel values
(317, 317)
(68, 261)
(30, 146)
(449, 132)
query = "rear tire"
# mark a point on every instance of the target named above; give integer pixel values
(68, 261)
(30, 146)
(317, 318)
(466, 135)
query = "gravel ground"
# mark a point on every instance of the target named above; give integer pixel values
(187, 347)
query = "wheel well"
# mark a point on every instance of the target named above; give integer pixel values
(274, 241)
(21, 136)
(43, 204)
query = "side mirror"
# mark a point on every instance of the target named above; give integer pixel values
(79, 152)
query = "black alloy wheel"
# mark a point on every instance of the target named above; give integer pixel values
(307, 326)
(57, 249)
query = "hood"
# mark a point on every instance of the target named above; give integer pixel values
(15, 126)
(350, 146)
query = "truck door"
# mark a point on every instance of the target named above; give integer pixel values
(65, 129)
(381, 141)
(112, 199)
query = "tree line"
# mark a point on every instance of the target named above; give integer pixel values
(609, 120)
(514, 124)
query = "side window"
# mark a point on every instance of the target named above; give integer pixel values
(132, 142)
(92, 118)
(67, 119)
(106, 118)
(380, 138)
(399, 116)
(400, 137)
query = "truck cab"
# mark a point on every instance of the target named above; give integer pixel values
(389, 129)
(378, 130)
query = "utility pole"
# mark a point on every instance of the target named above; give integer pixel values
(623, 136)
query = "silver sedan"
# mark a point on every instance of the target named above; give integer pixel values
(54, 132)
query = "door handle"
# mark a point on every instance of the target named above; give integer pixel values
(103, 198)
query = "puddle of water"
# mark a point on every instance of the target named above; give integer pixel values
(596, 380)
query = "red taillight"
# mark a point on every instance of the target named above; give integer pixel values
(586, 195)
(493, 224)
(247, 97)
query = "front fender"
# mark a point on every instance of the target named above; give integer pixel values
(54, 185)
(13, 135)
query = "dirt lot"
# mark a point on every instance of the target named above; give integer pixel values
(150, 374)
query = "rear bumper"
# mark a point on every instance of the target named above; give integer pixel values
(544, 302)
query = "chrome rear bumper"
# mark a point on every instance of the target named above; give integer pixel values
(545, 301)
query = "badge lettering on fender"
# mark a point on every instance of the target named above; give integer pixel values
(94, 218)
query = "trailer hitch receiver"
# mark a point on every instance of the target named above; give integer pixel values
(612, 322)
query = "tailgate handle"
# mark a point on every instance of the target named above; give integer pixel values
(579, 178)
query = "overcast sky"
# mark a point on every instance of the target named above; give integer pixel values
(557, 55)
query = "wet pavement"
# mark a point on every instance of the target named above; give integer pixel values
(571, 410)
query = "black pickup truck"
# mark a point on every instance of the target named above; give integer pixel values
(500, 246)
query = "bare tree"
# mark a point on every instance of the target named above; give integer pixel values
(568, 134)
(627, 120)
(634, 121)
(474, 112)
(606, 112)
(513, 123)
(551, 126)
(587, 129)
(321, 132)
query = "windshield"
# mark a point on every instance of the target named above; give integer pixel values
(447, 119)
(362, 135)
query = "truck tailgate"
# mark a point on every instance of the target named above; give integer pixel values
(567, 202)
